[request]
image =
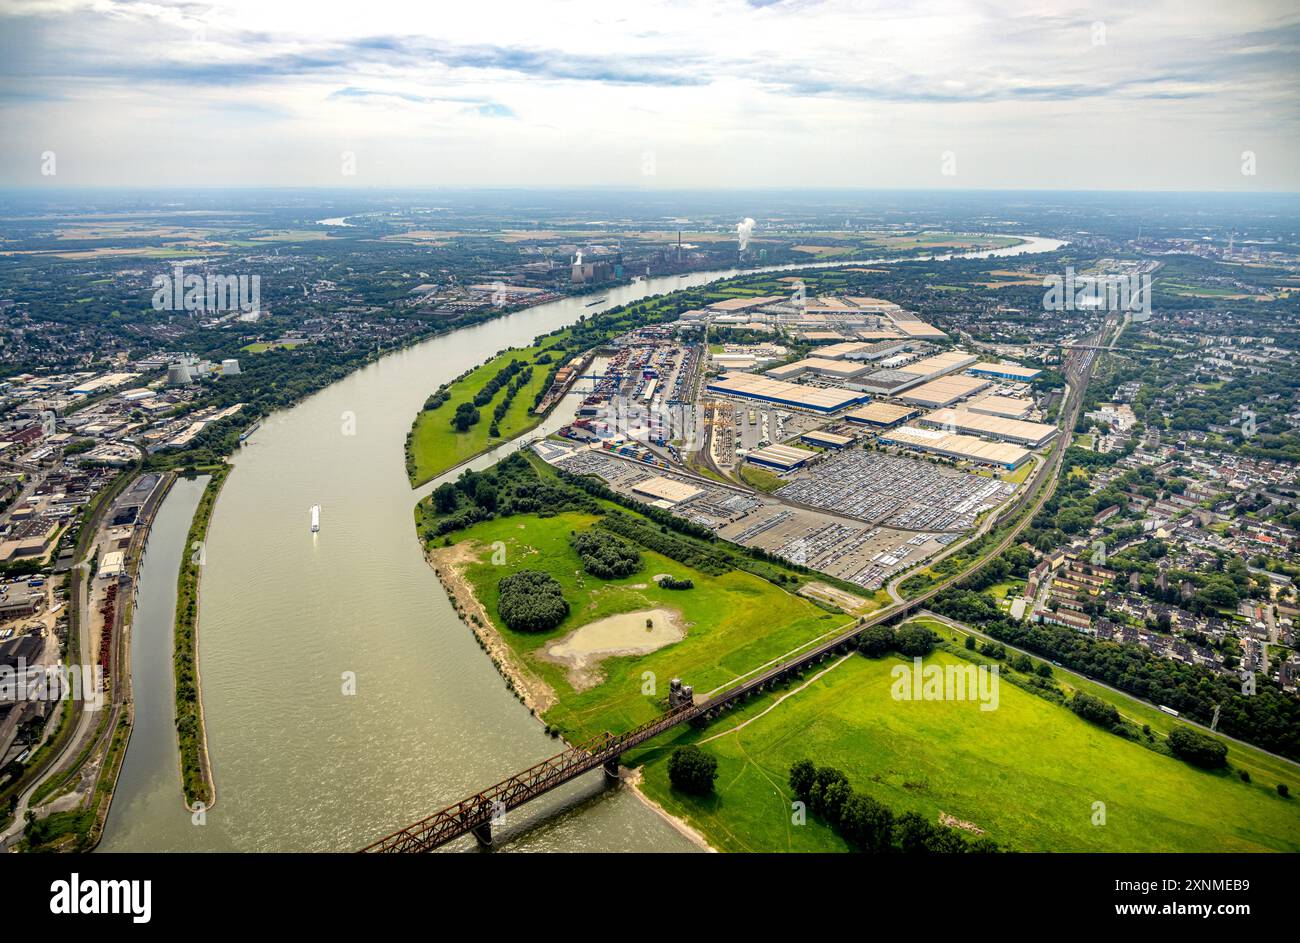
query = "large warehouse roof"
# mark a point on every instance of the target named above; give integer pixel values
(839, 369)
(789, 394)
(780, 456)
(915, 327)
(963, 447)
(939, 364)
(845, 349)
(944, 391)
(1012, 371)
(666, 489)
(881, 414)
(742, 304)
(1032, 434)
(1012, 407)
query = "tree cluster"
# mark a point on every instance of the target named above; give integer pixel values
(868, 824)
(531, 601)
(692, 770)
(604, 555)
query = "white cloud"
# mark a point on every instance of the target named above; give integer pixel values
(725, 94)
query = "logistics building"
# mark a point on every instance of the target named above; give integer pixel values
(780, 457)
(826, 440)
(881, 415)
(665, 491)
(1008, 407)
(1005, 371)
(964, 448)
(944, 391)
(894, 381)
(793, 395)
(1031, 434)
(822, 366)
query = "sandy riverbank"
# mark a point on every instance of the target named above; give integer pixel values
(448, 565)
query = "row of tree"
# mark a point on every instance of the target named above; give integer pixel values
(868, 824)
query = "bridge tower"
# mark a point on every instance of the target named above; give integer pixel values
(679, 695)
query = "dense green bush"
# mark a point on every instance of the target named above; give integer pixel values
(692, 770)
(1094, 709)
(869, 824)
(605, 555)
(1196, 748)
(531, 601)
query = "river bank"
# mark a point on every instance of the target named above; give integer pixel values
(197, 782)
(447, 564)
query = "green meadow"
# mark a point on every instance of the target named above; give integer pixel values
(734, 623)
(1262, 767)
(1028, 773)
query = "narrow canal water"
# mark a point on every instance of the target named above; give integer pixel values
(344, 697)
(150, 777)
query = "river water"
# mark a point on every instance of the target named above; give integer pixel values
(343, 696)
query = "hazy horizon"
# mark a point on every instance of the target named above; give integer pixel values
(663, 94)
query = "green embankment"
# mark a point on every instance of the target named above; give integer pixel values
(1029, 773)
(196, 778)
(434, 446)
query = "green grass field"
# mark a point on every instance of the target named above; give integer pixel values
(434, 446)
(734, 622)
(263, 346)
(1263, 768)
(761, 479)
(1028, 773)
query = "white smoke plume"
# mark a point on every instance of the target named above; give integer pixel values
(744, 230)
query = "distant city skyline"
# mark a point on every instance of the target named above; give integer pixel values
(660, 94)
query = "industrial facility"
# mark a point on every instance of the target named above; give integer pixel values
(1005, 371)
(792, 395)
(962, 448)
(881, 415)
(780, 457)
(1030, 434)
(944, 391)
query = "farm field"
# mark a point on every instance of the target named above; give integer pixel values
(1028, 773)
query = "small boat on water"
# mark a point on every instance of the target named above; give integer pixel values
(596, 302)
(315, 518)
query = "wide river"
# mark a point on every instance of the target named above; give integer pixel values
(306, 759)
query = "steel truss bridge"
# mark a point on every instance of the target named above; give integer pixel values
(475, 814)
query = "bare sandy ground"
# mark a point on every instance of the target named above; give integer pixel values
(633, 777)
(583, 649)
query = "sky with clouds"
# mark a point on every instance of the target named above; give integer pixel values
(653, 93)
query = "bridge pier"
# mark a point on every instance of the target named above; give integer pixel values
(610, 766)
(483, 834)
